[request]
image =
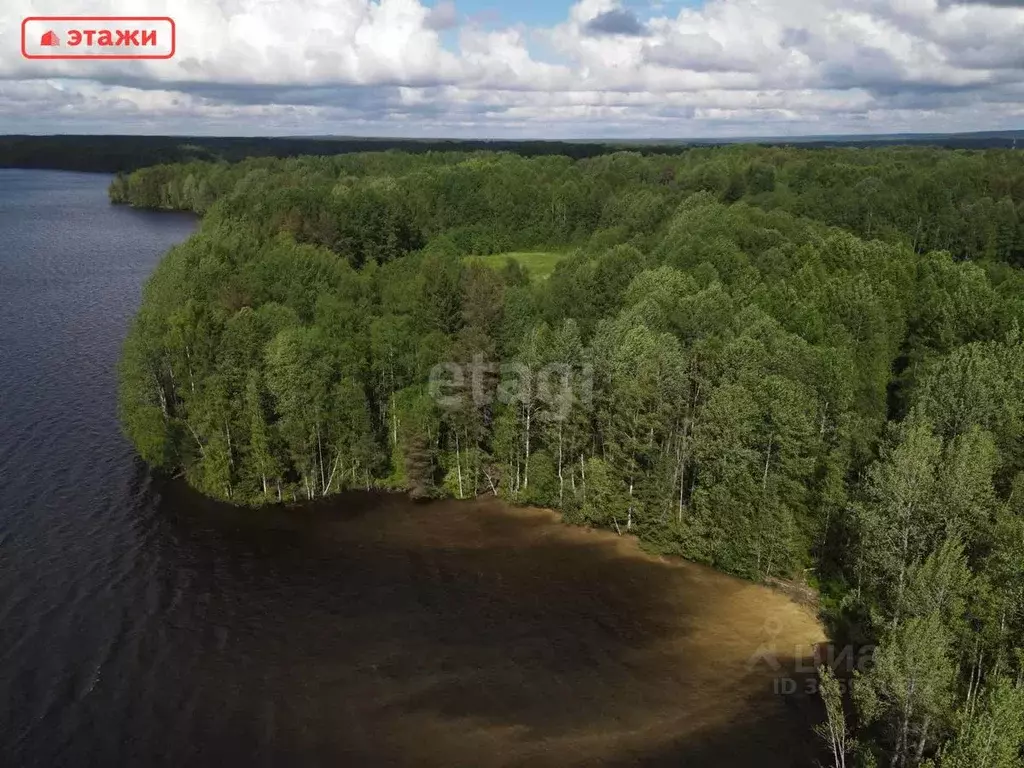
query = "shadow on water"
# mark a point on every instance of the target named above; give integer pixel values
(371, 630)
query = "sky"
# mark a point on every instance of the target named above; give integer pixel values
(544, 69)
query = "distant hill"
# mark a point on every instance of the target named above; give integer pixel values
(975, 140)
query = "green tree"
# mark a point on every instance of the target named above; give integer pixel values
(908, 691)
(989, 732)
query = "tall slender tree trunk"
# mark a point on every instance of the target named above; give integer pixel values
(526, 462)
(163, 400)
(170, 375)
(188, 361)
(919, 753)
(320, 455)
(330, 479)
(629, 512)
(561, 480)
(458, 461)
(901, 578)
(683, 457)
(899, 756)
(767, 459)
(195, 436)
(583, 478)
(231, 451)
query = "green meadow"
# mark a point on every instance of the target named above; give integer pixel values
(540, 264)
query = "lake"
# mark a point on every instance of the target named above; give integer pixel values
(143, 625)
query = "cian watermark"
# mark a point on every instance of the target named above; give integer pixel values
(549, 392)
(98, 37)
(795, 669)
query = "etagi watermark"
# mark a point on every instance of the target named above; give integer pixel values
(98, 37)
(796, 671)
(549, 393)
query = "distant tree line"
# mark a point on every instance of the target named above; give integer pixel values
(970, 204)
(112, 154)
(780, 362)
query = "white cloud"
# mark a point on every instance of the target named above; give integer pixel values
(731, 67)
(443, 16)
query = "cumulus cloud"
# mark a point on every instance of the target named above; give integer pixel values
(390, 67)
(1004, 3)
(265, 41)
(443, 16)
(617, 21)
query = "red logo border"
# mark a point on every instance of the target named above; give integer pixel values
(120, 56)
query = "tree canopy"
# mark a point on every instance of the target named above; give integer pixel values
(784, 363)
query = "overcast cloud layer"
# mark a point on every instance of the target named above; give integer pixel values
(408, 68)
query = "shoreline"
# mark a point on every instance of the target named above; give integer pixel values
(357, 502)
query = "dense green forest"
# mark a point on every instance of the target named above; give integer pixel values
(110, 154)
(785, 363)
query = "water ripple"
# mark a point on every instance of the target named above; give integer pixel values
(143, 625)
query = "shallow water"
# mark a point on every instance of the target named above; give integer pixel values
(143, 625)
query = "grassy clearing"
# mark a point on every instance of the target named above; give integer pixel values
(540, 264)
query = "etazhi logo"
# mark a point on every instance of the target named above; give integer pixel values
(98, 37)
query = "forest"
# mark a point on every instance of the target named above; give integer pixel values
(111, 154)
(786, 363)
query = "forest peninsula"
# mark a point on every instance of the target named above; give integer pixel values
(780, 362)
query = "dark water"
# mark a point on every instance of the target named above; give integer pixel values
(141, 625)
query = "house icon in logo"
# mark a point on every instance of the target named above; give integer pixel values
(50, 39)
